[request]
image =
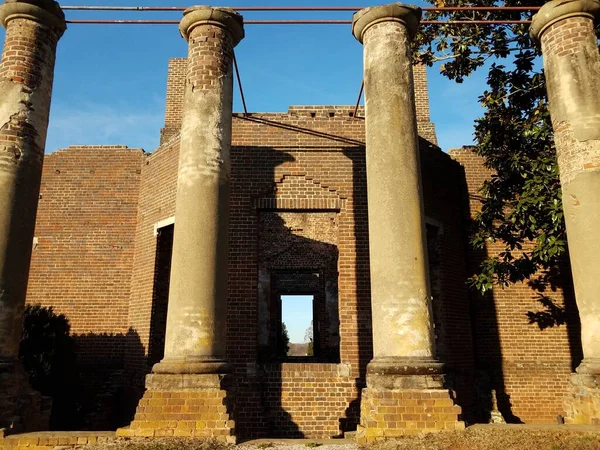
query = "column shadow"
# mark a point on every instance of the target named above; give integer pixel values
(364, 321)
(490, 388)
(549, 282)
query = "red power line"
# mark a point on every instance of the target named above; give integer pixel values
(295, 8)
(296, 22)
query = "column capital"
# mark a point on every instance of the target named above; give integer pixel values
(558, 10)
(225, 18)
(408, 15)
(45, 12)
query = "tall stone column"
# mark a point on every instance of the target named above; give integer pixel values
(404, 364)
(33, 28)
(194, 366)
(569, 45)
(196, 320)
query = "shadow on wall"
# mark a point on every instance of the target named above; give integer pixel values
(292, 263)
(265, 406)
(558, 278)
(364, 321)
(83, 374)
(493, 400)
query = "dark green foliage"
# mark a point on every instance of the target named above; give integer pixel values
(45, 345)
(523, 199)
(283, 343)
(47, 352)
(522, 208)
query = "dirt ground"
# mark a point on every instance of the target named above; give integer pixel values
(503, 437)
(499, 438)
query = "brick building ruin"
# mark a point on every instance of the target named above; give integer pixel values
(176, 332)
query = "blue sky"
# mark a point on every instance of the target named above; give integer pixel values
(296, 313)
(110, 80)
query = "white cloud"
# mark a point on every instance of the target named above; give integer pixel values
(100, 124)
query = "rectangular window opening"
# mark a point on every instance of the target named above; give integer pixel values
(296, 338)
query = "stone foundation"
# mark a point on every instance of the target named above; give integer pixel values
(582, 405)
(187, 405)
(394, 413)
(50, 440)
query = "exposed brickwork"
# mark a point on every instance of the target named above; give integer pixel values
(424, 125)
(571, 64)
(569, 38)
(176, 89)
(83, 256)
(184, 413)
(53, 440)
(298, 253)
(566, 36)
(23, 62)
(323, 159)
(26, 77)
(324, 155)
(388, 414)
(158, 187)
(175, 92)
(306, 400)
(87, 207)
(210, 56)
(307, 162)
(515, 357)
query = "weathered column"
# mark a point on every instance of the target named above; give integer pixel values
(196, 321)
(403, 341)
(33, 28)
(194, 365)
(572, 68)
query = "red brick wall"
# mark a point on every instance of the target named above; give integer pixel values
(85, 232)
(98, 262)
(527, 366)
(305, 399)
(308, 159)
(83, 259)
(175, 91)
(156, 202)
(176, 87)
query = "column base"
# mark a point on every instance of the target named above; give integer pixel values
(21, 408)
(582, 403)
(405, 396)
(184, 405)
